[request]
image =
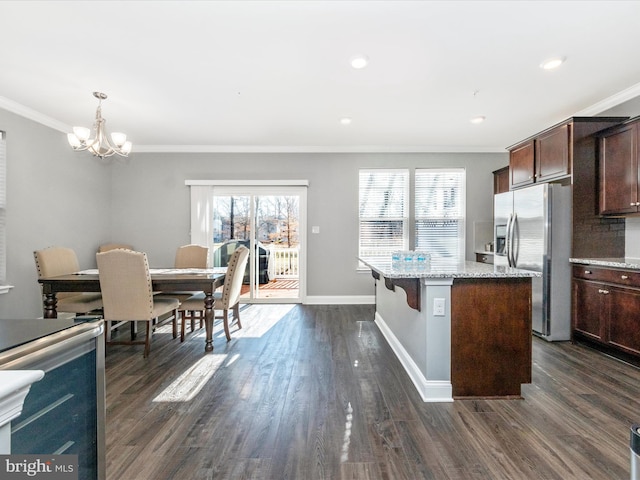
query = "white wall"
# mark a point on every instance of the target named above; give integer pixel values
(54, 197)
(150, 202)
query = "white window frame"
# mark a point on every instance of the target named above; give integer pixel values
(4, 288)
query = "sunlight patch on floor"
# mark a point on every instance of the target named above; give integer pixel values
(188, 385)
(259, 319)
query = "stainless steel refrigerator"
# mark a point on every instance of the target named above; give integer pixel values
(532, 230)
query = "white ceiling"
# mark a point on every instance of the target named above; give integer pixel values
(275, 75)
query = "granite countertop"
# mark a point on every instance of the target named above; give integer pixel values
(453, 270)
(630, 263)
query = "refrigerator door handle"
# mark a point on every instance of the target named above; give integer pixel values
(507, 243)
(514, 237)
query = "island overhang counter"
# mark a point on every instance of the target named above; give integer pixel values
(460, 330)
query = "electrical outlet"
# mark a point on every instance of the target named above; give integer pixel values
(438, 307)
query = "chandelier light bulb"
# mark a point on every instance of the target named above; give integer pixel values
(118, 138)
(73, 140)
(82, 133)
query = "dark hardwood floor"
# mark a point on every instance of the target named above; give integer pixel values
(315, 392)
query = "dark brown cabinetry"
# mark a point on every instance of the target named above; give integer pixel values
(522, 164)
(490, 340)
(541, 159)
(501, 180)
(552, 154)
(619, 170)
(484, 257)
(606, 307)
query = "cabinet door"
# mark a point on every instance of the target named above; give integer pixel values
(521, 165)
(501, 180)
(552, 154)
(589, 308)
(619, 171)
(624, 319)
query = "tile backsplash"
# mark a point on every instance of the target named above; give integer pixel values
(632, 238)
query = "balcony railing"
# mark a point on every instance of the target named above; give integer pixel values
(283, 262)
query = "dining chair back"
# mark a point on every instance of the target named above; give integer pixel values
(56, 261)
(127, 295)
(112, 246)
(191, 256)
(229, 299)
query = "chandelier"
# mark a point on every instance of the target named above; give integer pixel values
(97, 141)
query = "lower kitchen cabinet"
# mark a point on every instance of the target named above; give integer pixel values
(591, 306)
(606, 308)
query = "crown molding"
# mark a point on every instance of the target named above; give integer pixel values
(610, 102)
(313, 149)
(34, 115)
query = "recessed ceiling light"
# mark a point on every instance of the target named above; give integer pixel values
(552, 63)
(478, 119)
(359, 61)
(345, 121)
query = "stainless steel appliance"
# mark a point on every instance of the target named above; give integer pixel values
(64, 413)
(532, 231)
(634, 448)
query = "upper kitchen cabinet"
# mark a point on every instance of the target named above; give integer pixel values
(501, 180)
(542, 158)
(522, 164)
(550, 155)
(619, 170)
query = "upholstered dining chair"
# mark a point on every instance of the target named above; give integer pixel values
(112, 246)
(189, 256)
(55, 261)
(127, 295)
(229, 298)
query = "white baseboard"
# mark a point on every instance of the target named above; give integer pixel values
(429, 390)
(340, 300)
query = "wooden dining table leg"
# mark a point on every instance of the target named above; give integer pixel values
(208, 320)
(50, 304)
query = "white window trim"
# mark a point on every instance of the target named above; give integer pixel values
(3, 207)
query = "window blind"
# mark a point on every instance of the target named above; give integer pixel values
(440, 213)
(383, 212)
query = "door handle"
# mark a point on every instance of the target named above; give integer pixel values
(514, 251)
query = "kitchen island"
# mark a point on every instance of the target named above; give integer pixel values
(460, 330)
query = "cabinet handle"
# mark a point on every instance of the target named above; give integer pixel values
(624, 277)
(605, 292)
(587, 272)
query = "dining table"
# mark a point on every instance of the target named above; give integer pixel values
(163, 280)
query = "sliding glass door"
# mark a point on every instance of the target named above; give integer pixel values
(270, 222)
